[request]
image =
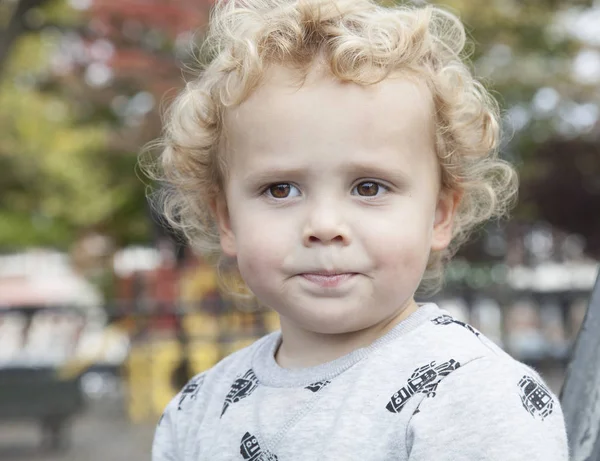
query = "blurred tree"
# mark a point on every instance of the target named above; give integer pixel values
(542, 60)
(59, 178)
(135, 54)
(15, 25)
(112, 63)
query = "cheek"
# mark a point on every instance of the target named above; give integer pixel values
(259, 260)
(261, 249)
(402, 248)
(398, 257)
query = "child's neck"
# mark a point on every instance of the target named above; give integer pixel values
(302, 348)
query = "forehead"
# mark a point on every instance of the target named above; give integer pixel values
(321, 114)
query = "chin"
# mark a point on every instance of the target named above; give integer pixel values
(336, 326)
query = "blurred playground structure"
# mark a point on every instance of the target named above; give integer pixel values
(168, 321)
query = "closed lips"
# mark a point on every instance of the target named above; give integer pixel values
(328, 279)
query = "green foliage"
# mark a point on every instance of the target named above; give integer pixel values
(58, 178)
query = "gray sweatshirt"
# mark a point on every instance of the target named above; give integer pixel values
(433, 388)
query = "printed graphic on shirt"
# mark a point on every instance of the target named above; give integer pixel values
(447, 320)
(424, 380)
(240, 389)
(535, 397)
(316, 387)
(190, 391)
(250, 450)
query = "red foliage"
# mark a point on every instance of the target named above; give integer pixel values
(170, 16)
(132, 26)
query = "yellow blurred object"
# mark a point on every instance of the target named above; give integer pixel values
(237, 323)
(167, 356)
(230, 348)
(203, 355)
(73, 369)
(197, 283)
(139, 390)
(150, 369)
(201, 325)
(271, 319)
(106, 346)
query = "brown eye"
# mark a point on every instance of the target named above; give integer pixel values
(367, 189)
(282, 190)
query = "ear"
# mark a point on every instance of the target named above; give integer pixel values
(444, 219)
(221, 213)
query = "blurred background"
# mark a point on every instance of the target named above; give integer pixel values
(104, 315)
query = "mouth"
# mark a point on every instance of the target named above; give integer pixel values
(328, 273)
(328, 279)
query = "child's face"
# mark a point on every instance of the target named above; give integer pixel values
(332, 199)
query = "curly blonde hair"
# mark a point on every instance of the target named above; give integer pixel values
(359, 41)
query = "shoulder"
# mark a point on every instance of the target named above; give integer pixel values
(449, 333)
(501, 380)
(443, 343)
(490, 408)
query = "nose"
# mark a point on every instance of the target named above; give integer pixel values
(325, 225)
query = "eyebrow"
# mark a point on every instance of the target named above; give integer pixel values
(368, 169)
(362, 169)
(268, 174)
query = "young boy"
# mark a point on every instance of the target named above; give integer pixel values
(340, 151)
